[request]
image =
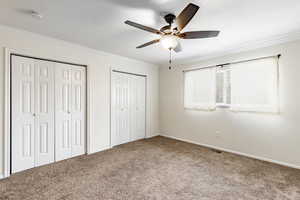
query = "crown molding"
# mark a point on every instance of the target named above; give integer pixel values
(247, 46)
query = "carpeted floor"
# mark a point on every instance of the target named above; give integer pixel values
(157, 168)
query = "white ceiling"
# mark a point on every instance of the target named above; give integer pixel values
(99, 23)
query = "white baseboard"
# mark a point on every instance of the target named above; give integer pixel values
(1, 176)
(99, 150)
(152, 136)
(235, 152)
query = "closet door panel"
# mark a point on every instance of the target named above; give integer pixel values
(23, 125)
(63, 119)
(114, 112)
(120, 108)
(133, 105)
(44, 111)
(141, 107)
(124, 98)
(138, 92)
(78, 106)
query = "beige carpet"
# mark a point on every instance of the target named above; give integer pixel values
(157, 168)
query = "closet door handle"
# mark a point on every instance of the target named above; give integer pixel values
(33, 114)
(69, 112)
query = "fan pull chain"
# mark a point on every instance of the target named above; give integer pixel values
(170, 60)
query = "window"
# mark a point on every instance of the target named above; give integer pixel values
(250, 86)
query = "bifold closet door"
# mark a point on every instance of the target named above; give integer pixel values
(78, 110)
(44, 112)
(127, 108)
(69, 111)
(32, 99)
(138, 107)
(120, 114)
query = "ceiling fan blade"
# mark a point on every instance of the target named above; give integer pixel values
(148, 43)
(178, 48)
(142, 27)
(198, 34)
(186, 15)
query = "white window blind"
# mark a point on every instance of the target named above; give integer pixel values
(223, 93)
(199, 89)
(254, 86)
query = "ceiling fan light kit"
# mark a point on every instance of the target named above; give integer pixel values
(169, 41)
(170, 35)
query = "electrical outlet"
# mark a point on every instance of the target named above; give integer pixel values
(218, 134)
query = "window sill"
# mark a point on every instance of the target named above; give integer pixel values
(223, 106)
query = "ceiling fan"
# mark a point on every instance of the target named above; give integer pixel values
(170, 34)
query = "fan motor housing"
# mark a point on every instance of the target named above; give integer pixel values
(170, 18)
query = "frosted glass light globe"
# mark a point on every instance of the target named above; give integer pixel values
(169, 41)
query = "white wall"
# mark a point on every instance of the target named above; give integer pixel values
(267, 136)
(99, 65)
